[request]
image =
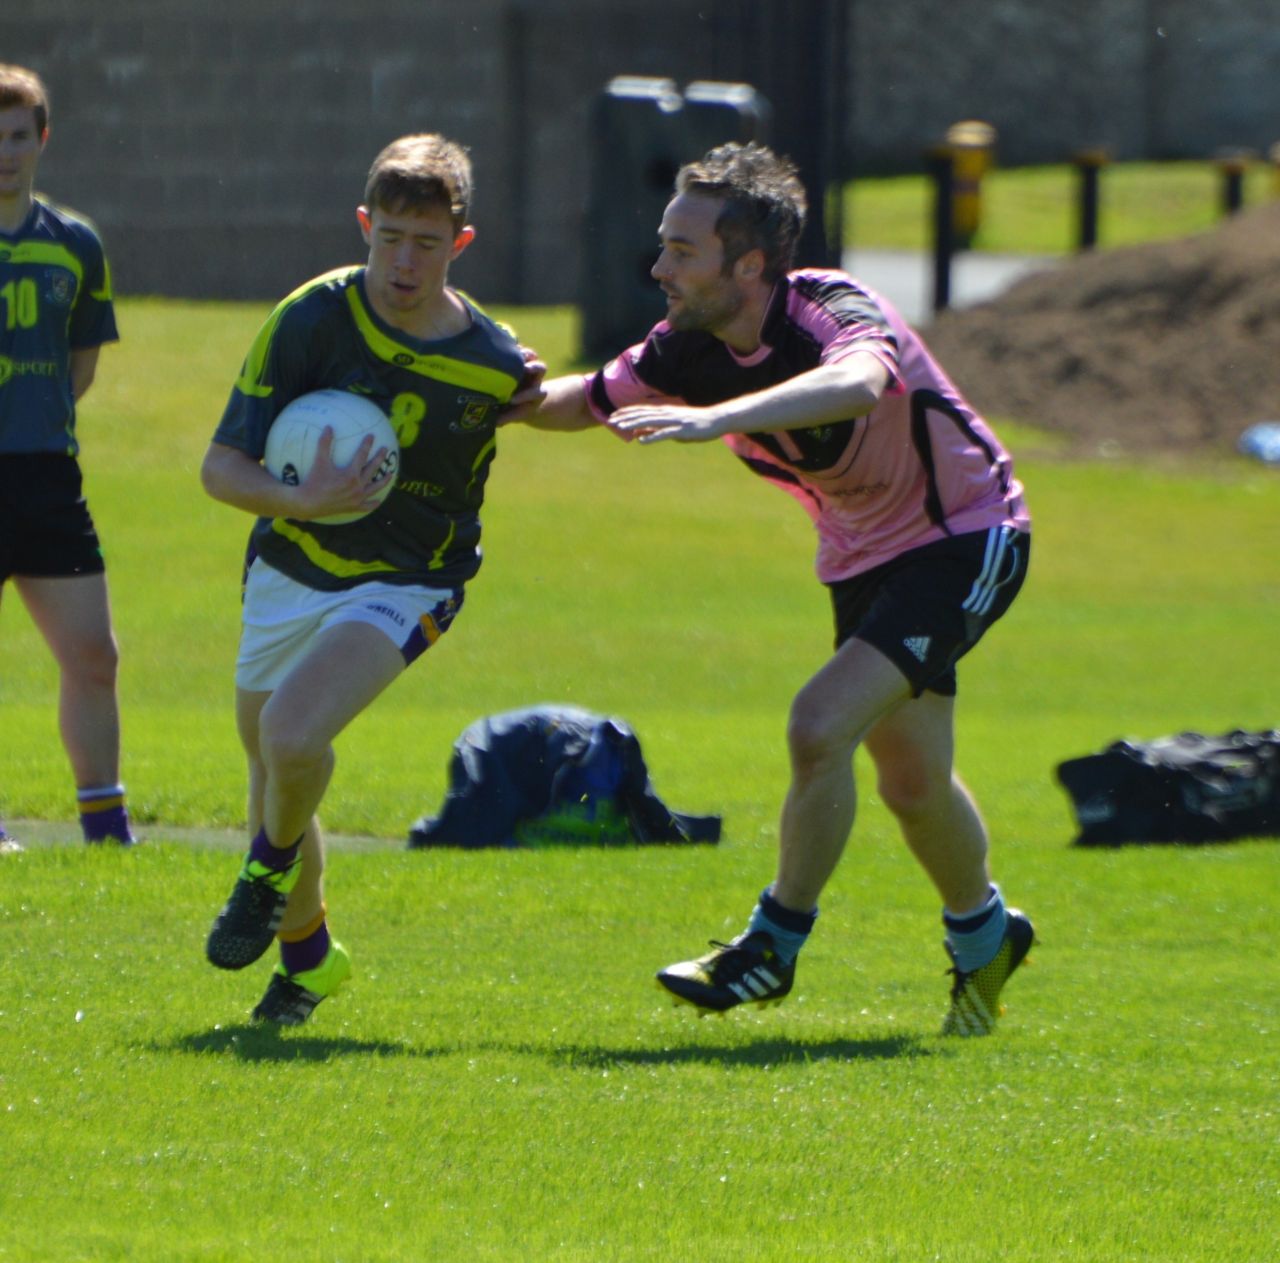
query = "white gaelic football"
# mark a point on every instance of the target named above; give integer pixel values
(295, 433)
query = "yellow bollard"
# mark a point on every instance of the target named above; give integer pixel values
(972, 146)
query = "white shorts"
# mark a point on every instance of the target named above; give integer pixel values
(282, 618)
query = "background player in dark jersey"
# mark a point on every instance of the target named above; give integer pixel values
(55, 314)
(820, 388)
(334, 614)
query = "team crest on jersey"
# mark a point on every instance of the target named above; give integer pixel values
(62, 287)
(475, 412)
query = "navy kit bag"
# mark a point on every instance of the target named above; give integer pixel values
(550, 775)
(1184, 788)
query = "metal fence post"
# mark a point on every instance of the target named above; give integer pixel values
(1232, 165)
(941, 168)
(1089, 164)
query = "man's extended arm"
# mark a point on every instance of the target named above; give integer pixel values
(828, 393)
(560, 404)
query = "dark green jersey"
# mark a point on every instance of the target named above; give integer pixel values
(443, 399)
(55, 298)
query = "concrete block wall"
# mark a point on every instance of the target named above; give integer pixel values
(1147, 78)
(222, 147)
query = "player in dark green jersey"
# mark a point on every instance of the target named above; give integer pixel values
(334, 614)
(55, 314)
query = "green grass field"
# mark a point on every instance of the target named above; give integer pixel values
(502, 1081)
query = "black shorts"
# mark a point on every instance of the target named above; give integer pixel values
(926, 609)
(45, 528)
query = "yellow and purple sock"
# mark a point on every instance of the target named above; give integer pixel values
(277, 858)
(305, 947)
(103, 815)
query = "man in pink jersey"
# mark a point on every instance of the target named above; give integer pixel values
(818, 386)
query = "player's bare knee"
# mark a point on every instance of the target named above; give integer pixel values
(913, 787)
(284, 746)
(816, 739)
(906, 792)
(95, 665)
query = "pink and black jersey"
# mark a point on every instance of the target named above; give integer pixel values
(921, 466)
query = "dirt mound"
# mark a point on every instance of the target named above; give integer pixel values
(1174, 345)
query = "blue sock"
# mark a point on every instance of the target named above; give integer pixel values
(789, 930)
(975, 938)
(275, 857)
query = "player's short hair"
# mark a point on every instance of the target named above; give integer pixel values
(764, 202)
(22, 87)
(421, 172)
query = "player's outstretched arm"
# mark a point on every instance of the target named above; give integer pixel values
(235, 478)
(828, 393)
(560, 404)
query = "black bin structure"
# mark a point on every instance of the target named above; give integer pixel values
(644, 129)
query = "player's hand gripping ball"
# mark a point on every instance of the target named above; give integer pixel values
(295, 434)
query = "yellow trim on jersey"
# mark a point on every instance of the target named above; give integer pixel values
(488, 381)
(341, 567)
(480, 459)
(103, 295)
(250, 380)
(46, 252)
(437, 557)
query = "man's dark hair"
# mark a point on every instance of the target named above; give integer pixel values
(416, 173)
(764, 202)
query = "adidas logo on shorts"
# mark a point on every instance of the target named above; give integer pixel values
(918, 645)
